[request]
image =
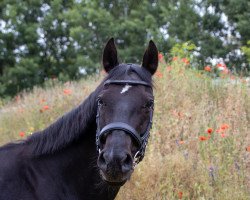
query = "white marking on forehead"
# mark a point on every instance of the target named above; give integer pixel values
(125, 88)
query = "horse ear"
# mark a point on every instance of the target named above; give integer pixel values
(109, 59)
(150, 58)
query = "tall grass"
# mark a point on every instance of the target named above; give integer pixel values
(183, 161)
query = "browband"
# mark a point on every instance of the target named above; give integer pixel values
(128, 82)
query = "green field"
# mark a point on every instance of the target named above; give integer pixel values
(200, 142)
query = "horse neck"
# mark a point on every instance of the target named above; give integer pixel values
(77, 166)
(66, 130)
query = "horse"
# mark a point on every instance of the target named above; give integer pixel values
(91, 151)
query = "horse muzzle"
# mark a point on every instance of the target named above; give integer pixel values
(115, 167)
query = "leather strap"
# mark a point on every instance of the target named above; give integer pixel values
(124, 127)
(128, 82)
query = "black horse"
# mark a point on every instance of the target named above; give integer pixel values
(90, 152)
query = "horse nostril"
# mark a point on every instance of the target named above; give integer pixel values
(126, 163)
(102, 161)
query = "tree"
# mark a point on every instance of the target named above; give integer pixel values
(64, 39)
(34, 44)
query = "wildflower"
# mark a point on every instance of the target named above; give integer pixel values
(224, 126)
(175, 58)
(181, 142)
(209, 130)
(248, 149)
(222, 67)
(203, 138)
(208, 68)
(46, 107)
(67, 91)
(158, 74)
(185, 60)
(160, 56)
(180, 194)
(223, 135)
(21, 134)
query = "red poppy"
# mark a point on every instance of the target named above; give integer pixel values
(180, 194)
(185, 60)
(160, 56)
(203, 138)
(209, 130)
(67, 91)
(248, 149)
(175, 58)
(207, 68)
(223, 135)
(222, 67)
(21, 134)
(158, 74)
(224, 126)
(46, 107)
(181, 142)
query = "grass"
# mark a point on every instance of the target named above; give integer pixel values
(183, 161)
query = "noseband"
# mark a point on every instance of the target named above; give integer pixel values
(141, 139)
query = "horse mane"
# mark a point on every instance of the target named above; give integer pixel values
(75, 123)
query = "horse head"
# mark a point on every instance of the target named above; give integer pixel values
(124, 113)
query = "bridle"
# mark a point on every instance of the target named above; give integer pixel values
(141, 139)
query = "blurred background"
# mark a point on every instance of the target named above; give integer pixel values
(199, 146)
(63, 39)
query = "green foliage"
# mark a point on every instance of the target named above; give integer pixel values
(246, 50)
(183, 50)
(64, 39)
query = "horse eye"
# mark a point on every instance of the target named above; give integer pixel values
(149, 104)
(100, 102)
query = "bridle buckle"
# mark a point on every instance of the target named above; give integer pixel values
(136, 159)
